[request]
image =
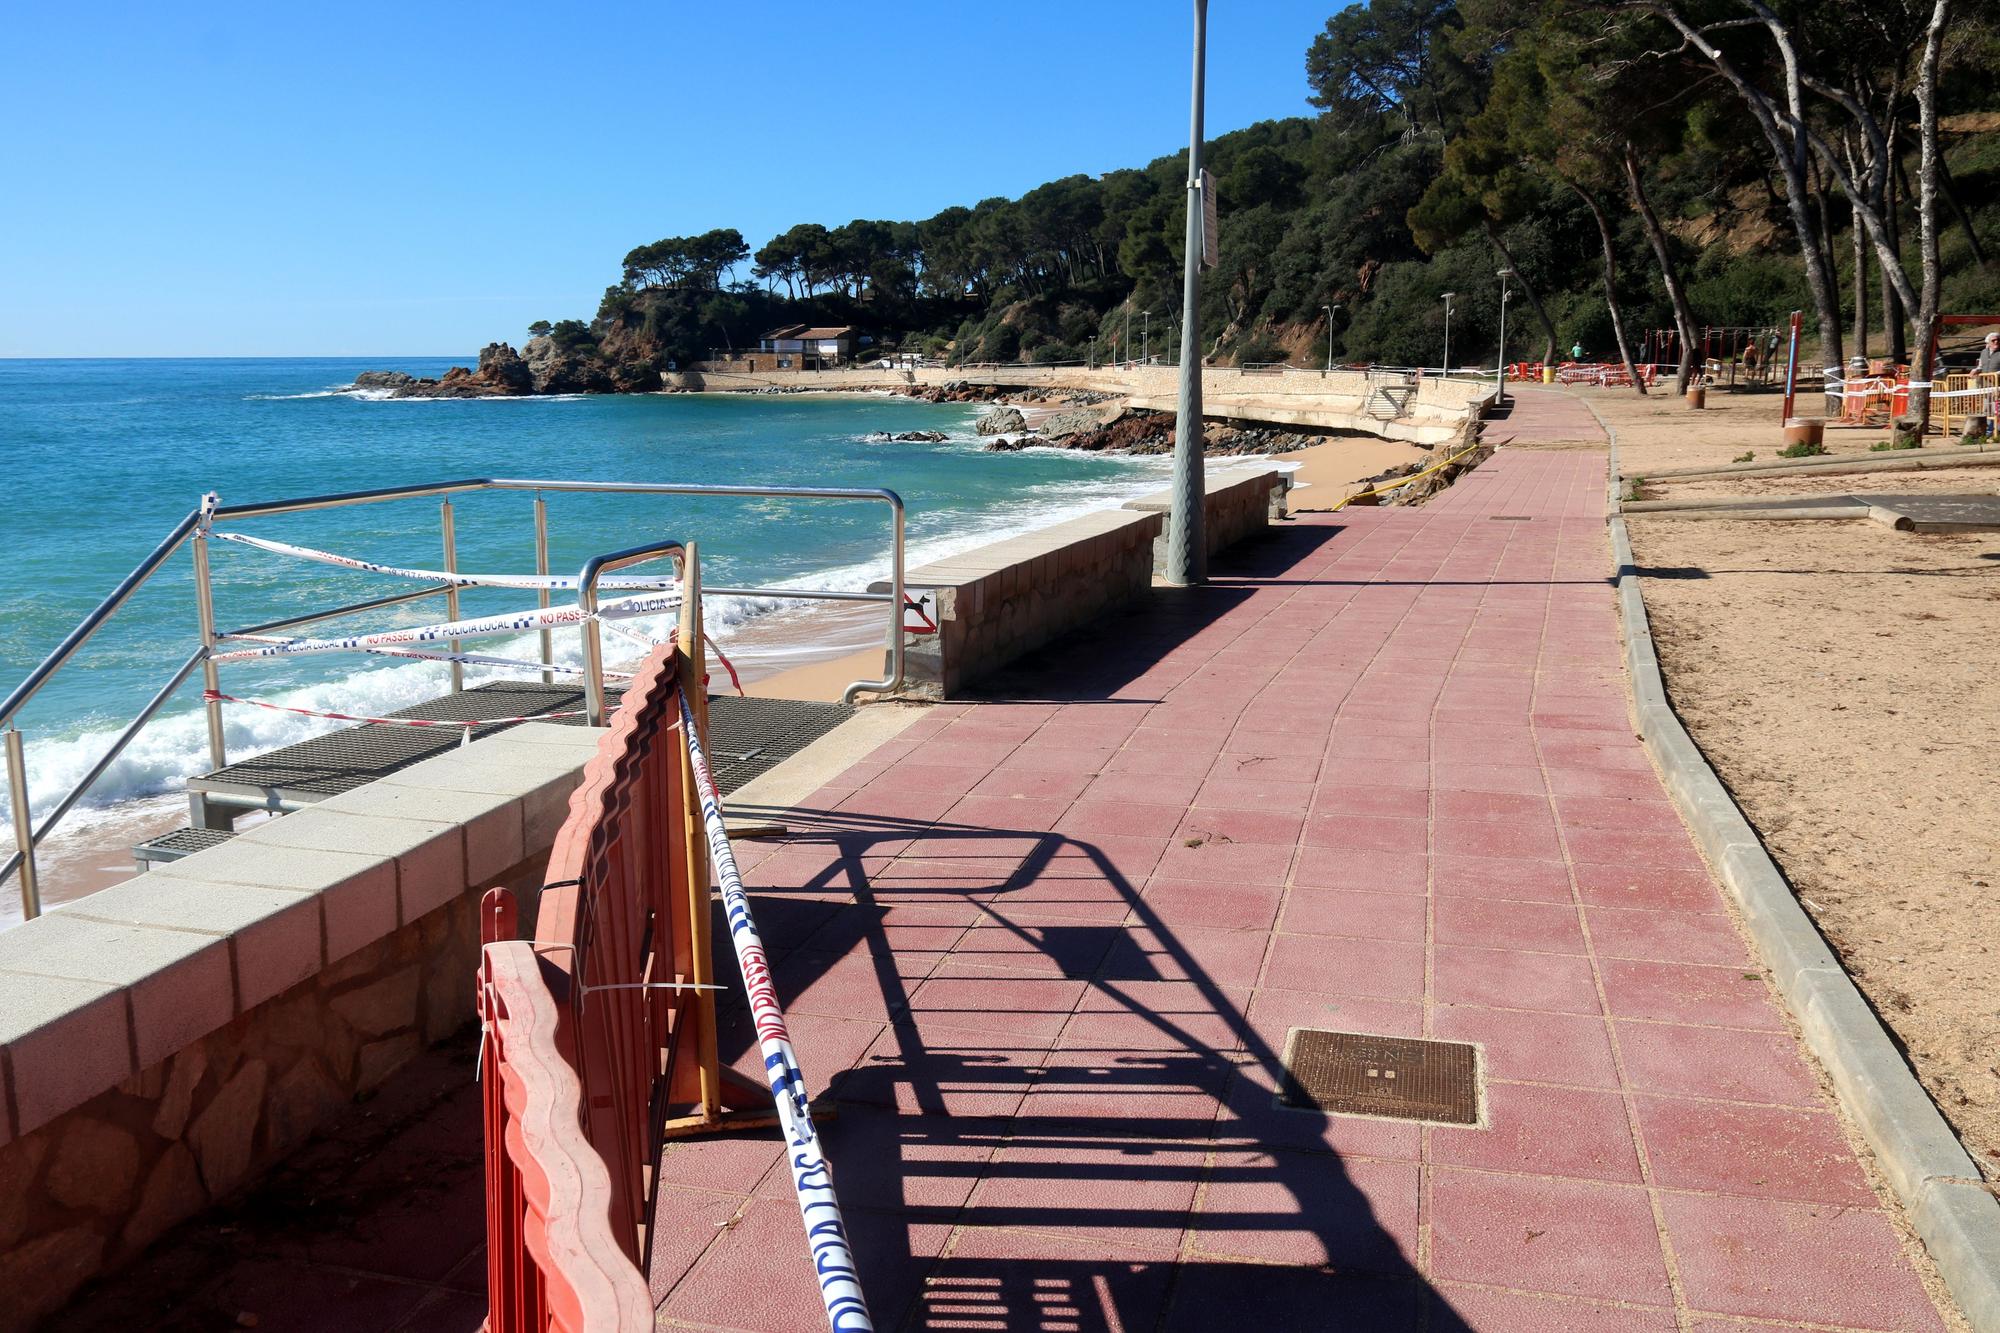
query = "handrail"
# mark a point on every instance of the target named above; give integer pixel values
(586, 599)
(90, 624)
(198, 522)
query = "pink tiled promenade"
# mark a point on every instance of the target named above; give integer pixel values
(1045, 951)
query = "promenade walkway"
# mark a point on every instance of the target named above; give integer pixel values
(1045, 952)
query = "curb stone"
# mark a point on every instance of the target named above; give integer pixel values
(1939, 1185)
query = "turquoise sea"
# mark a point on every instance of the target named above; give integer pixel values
(104, 456)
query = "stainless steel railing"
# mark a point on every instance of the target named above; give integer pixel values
(194, 530)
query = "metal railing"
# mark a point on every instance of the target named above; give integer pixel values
(194, 530)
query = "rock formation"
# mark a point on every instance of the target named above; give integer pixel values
(1001, 420)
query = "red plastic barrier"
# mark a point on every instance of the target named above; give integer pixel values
(554, 1264)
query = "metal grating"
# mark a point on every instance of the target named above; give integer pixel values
(1512, 518)
(343, 760)
(1400, 1078)
(181, 842)
(748, 737)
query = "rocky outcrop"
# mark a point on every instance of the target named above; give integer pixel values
(502, 373)
(1074, 421)
(956, 391)
(1001, 421)
(906, 437)
(553, 368)
(383, 379)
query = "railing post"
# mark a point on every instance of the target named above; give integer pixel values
(451, 597)
(204, 609)
(24, 826)
(694, 675)
(542, 597)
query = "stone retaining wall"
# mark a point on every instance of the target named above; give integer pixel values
(998, 602)
(165, 1041)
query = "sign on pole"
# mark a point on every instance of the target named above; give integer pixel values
(1211, 235)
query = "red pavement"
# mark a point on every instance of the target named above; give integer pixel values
(1045, 952)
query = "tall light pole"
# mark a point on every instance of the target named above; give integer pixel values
(1093, 351)
(1329, 333)
(1447, 333)
(1187, 544)
(1128, 328)
(1500, 397)
(1146, 334)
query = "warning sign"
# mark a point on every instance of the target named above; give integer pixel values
(920, 612)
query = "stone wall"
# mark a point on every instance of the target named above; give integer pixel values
(1237, 503)
(998, 602)
(167, 1040)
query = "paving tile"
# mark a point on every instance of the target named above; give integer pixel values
(942, 1070)
(1268, 826)
(1727, 1063)
(1309, 1210)
(1544, 1131)
(1387, 969)
(1211, 1295)
(1497, 877)
(1543, 1234)
(1682, 937)
(1688, 993)
(1511, 779)
(999, 1277)
(1651, 888)
(1814, 1262)
(1506, 979)
(1217, 957)
(1462, 1309)
(1255, 863)
(1771, 1152)
(1506, 924)
(1382, 916)
(1520, 1044)
(1375, 872)
(1125, 1192)
(1377, 802)
(1007, 1003)
(1092, 816)
(1175, 903)
(1514, 839)
(735, 1285)
(1373, 833)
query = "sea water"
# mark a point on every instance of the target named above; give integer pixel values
(103, 457)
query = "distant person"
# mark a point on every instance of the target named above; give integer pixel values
(1989, 366)
(1576, 352)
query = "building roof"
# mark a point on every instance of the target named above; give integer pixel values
(805, 333)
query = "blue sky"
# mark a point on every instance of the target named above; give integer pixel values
(417, 179)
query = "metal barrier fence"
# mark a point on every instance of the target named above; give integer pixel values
(197, 530)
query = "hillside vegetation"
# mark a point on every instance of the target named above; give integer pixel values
(1612, 155)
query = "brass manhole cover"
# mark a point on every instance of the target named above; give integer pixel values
(1402, 1078)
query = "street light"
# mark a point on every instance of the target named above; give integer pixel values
(1093, 351)
(1446, 371)
(1187, 544)
(1128, 329)
(1146, 333)
(1500, 396)
(1329, 333)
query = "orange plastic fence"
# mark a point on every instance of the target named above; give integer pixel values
(598, 1019)
(553, 1261)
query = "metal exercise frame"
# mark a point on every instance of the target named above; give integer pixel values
(194, 530)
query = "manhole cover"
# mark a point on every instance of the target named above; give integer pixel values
(1402, 1078)
(1512, 518)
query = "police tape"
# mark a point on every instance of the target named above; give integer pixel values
(548, 617)
(551, 581)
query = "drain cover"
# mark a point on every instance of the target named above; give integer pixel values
(1402, 1078)
(1512, 518)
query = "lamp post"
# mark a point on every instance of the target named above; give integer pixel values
(1146, 338)
(1128, 328)
(1329, 333)
(1500, 396)
(1187, 545)
(1093, 351)
(1445, 372)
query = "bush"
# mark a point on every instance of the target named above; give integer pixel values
(1803, 449)
(1746, 456)
(1259, 346)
